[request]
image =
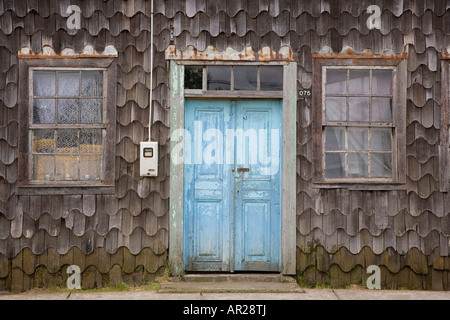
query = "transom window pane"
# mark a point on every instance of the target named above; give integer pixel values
(193, 77)
(219, 78)
(271, 78)
(67, 131)
(245, 77)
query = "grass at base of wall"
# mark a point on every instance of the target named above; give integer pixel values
(120, 287)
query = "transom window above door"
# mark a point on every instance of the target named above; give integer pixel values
(243, 79)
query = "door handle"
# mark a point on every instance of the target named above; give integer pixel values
(243, 169)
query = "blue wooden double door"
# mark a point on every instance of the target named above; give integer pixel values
(232, 185)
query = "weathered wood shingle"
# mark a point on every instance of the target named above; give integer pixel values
(87, 222)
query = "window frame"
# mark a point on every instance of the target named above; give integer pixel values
(25, 183)
(398, 65)
(444, 145)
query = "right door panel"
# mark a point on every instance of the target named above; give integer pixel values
(257, 179)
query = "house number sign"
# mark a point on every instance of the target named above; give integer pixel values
(304, 93)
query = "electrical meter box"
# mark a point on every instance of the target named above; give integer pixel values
(149, 159)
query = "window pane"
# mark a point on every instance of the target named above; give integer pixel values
(335, 165)
(359, 82)
(358, 109)
(67, 110)
(92, 83)
(380, 140)
(44, 83)
(358, 165)
(66, 168)
(68, 83)
(271, 78)
(335, 109)
(43, 141)
(336, 81)
(382, 109)
(67, 141)
(245, 77)
(43, 111)
(91, 111)
(358, 139)
(382, 82)
(381, 165)
(90, 168)
(219, 78)
(90, 140)
(193, 77)
(43, 167)
(334, 139)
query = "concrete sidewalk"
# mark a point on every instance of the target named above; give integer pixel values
(306, 294)
(233, 287)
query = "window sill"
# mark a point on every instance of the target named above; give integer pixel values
(65, 190)
(369, 186)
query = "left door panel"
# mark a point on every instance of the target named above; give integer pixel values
(207, 180)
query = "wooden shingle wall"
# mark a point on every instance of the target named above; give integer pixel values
(112, 238)
(340, 232)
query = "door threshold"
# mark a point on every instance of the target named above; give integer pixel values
(232, 283)
(238, 277)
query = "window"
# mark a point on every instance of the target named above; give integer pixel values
(67, 122)
(359, 122)
(243, 79)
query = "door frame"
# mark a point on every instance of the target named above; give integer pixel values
(288, 165)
